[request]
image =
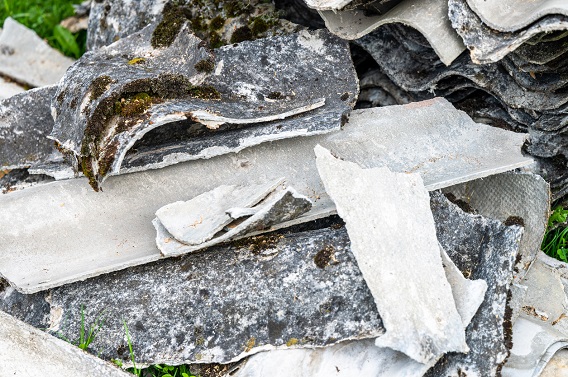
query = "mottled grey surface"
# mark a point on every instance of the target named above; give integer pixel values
(488, 45)
(502, 196)
(302, 68)
(110, 20)
(228, 302)
(25, 123)
(482, 249)
(418, 74)
(253, 79)
(380, 209)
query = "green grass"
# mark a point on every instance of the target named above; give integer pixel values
(555, 243)
(153, 370)
(44, 16)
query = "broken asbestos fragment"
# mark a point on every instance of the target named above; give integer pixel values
(542, 327)
(201, 218)
(482, 249)
(25, 123)
(512, 15)
(521, 198)
(421, 322)
(114, 96)
(429, 17)
(185, 227)
(32, 352)
(27, 58)
(488, 45)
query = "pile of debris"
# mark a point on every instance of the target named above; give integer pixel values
(209, 179)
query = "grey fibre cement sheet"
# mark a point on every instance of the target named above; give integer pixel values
(429, 17)
(542, 327)
(487, 45)
(414, 299)
(28, 58)
(28, 351)
(63, 231)
(512, 15)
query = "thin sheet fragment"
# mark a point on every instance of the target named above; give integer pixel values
(279, 207)
(511, 15)
(201, 218)
(113, 228)
(430, 17)
(488, 45)
(32, 352)
(101, 113)
(29, 59)
(482, 249)
(422, 323)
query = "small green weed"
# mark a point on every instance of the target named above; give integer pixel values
(153, 370)
(44, 16)
(87, 337)
(555, 243)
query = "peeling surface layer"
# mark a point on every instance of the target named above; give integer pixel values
(253, 82)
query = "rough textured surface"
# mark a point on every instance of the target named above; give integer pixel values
(422, 323)
(29, 351)
(282, 206)
(214, 21)
(506, 196)
(28, 58)
(229, 302)
(112, 230)
(487, 45)
(25, 123)
(247, 83)
(482, 249)
(199, 219)
(430, 17)
(542, 327)
(347, 359)
(511, 15)
(110, 20)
